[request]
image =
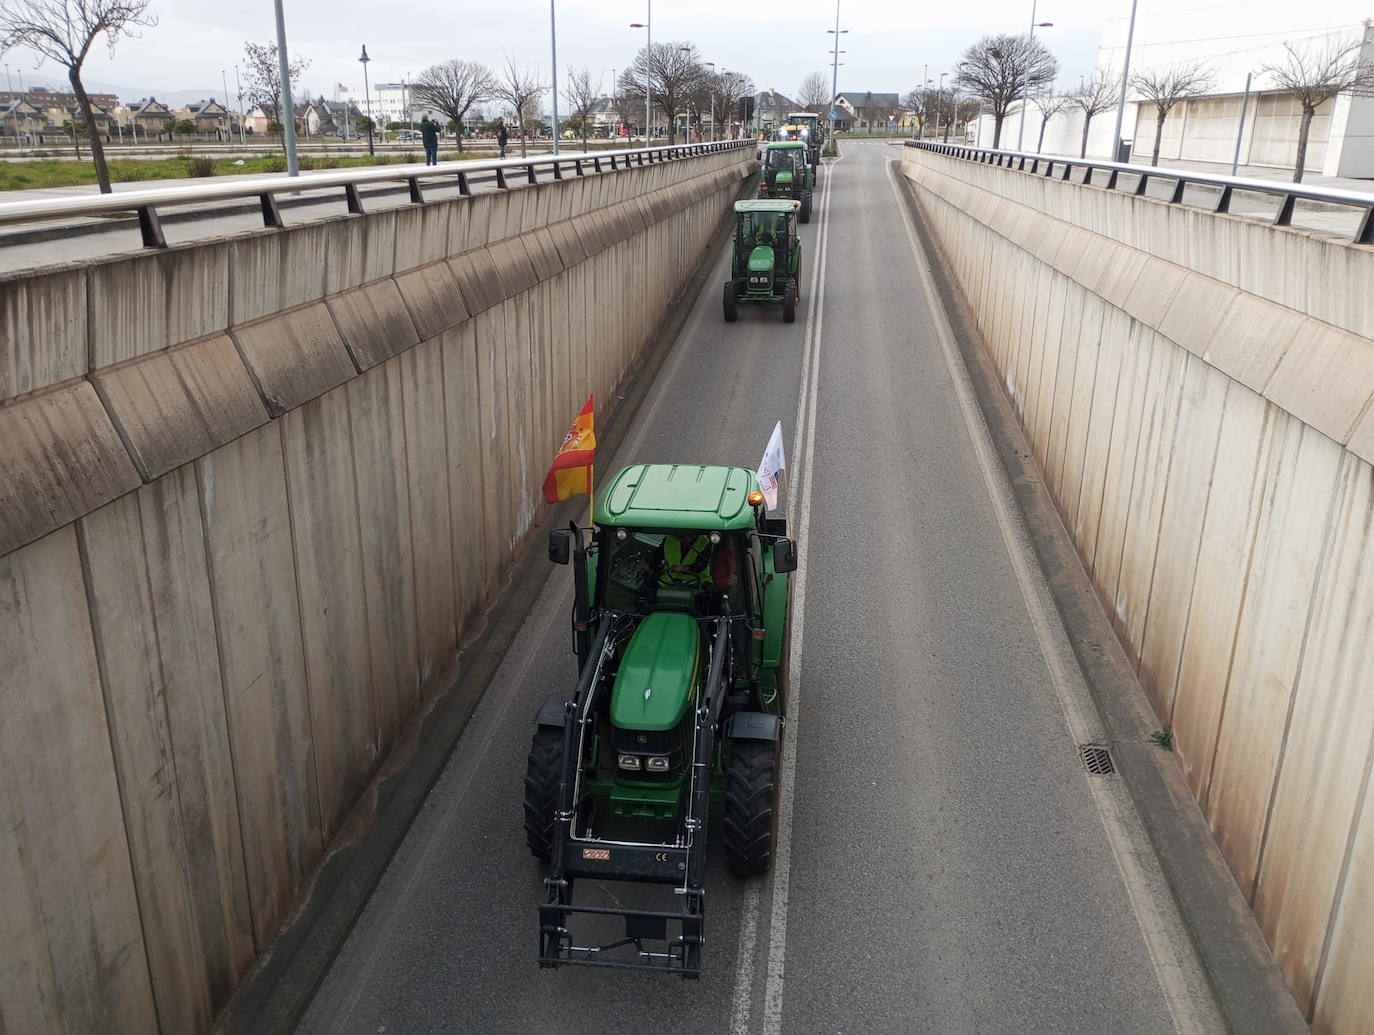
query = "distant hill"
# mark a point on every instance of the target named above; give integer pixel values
(171, 98)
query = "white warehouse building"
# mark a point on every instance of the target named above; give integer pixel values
(1205, 129)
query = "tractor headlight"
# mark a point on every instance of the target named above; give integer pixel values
(656, 764)
(758, 280)
(628, 762)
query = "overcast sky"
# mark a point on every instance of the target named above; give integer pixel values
(888, 43)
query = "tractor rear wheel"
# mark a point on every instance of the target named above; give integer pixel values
(789, 304)
(751, 792)
(542, 771)
(731, 308)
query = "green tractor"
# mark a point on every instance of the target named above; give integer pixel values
(807, 126)
(765, 267)
(787, 174)
(680, 625)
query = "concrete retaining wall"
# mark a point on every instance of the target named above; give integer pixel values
(252, 495)
(1197, 389)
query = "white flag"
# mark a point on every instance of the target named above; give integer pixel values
(773, 461)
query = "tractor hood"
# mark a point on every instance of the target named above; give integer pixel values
(761, 259)
(657, 674)
(783, 179)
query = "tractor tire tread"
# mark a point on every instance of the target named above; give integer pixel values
(750, 806)
(542, 772)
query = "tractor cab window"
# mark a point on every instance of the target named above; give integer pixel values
(768, 228)
(648, 569)
(778, 158)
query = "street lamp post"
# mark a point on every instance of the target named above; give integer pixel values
(1021, 130)
(367, 98)
(238, 86)
(925, 101)
(1125, 78)
(939, 100)
(553, 47)
(648, 27)
(837, 32)
(712, 66)
(288, 109)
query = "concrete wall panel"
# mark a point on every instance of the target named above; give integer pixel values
(1327, 750)
(422, 234)
(463, 428)
(176, 405)
(62, 458)
(1344, 994)
(72, 958)
(258, 629)
(149, 594)
(153, 299)
(374, 323)
(377, 407)
(359, 249)
(275, 270)
(43, 330)
(431, 295)
(475, 274)
(294, 356)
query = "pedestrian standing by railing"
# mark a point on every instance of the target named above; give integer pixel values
(429, 133)
(501, 136)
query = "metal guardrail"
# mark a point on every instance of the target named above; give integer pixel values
(1080, 170)
(266, 188)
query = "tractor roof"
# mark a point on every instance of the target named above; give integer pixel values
(802, 115)
(766, 205)
(672, 496)
(786, 145)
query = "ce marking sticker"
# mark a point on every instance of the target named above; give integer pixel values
(661, 857)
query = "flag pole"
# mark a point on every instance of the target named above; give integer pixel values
(591, 495)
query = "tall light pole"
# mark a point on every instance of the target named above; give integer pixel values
(367, 98)
(1125, 77)
(1021, 130)
(648, 27)
(553, 46)
(712, 66)
(939, 100)
(837, 32)
(238, 85)
(925, 99)
(288, 109)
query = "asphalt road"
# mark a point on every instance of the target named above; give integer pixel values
(945, 863)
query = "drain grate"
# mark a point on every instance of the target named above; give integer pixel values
(1096, 759)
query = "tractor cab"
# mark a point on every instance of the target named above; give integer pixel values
(786, 174)
(765, 268)
(679, 623)
(807, 126)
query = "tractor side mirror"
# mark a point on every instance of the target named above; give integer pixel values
(560, 547)
(784, 556)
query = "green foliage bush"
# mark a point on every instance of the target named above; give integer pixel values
(200, 165)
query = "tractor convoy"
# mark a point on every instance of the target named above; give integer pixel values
(679, 625)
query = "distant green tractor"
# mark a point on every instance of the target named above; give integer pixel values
(765, 267)
(680, 626)
(787, 173)
(807, 126)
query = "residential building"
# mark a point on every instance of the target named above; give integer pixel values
(21, 120)
(257, 120)
(865, 111)
(149, 116)
(209, 116)
(56, 105)
(770, 111)
(322, 118)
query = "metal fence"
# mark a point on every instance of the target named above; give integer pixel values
(146, 203)
(1082, 170)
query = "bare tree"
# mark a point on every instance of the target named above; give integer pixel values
(914, 104)
(263, 75)
(582, 95)
(1049, 106)
(731, 89)
(1314, 75)
(452, 87)
(814, 94)
(64, 31)
(997, 71)
(1095, 96)
(1166, 87)
(520, 90)
(628, 103)
(670, 72)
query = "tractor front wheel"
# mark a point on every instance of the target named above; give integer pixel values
(805, 215)
(731, 306)
(751, 792)
(789, 304)
(542, 772)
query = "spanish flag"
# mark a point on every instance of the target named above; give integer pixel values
(571, 473)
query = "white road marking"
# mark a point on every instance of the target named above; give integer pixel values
(1176, 965)
(803, 449)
